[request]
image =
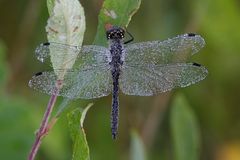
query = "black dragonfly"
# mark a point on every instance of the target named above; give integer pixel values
(141, 69)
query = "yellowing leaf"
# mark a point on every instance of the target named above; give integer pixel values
(66, 25)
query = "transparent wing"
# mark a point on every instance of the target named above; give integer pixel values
(87, 84)
(175, 50)
(89, 54)
(153, 79)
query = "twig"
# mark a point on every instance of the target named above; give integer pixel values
(44, 127)
(57, 115)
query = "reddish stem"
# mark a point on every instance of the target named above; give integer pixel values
(44, 124)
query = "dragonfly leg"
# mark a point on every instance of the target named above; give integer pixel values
(131, 38)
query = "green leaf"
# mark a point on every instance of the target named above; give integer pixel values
(117, 12)
(137, 150)
(50, 5)
(185, 130)
(66, 25)
(80, 146)
(84, 113)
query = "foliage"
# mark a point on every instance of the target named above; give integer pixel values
(137, 149)
(117, 13)
(214, 102)
(185, 131)
(66, 25)
(75, 120)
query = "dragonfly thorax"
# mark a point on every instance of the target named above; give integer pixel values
(117, 51)
(115, 36)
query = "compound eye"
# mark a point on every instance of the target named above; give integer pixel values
(109, 35)
(122, 34)
(118, 34)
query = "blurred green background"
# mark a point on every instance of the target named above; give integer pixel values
(214, 101)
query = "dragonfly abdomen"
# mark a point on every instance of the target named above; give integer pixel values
(116, 50)
(115, 103)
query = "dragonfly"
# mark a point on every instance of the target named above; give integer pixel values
(139, 69)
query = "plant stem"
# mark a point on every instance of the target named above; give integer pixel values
(57, 115)
(44, 124)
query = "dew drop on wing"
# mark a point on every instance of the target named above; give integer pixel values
(30, 83)
(42, 51)
(41, 59)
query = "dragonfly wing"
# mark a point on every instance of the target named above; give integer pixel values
(42, 51)
(92, 55)
(175, 50)
(86, 54)
(86, 84)
(150, 80)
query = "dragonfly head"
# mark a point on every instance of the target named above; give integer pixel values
(114, 32)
